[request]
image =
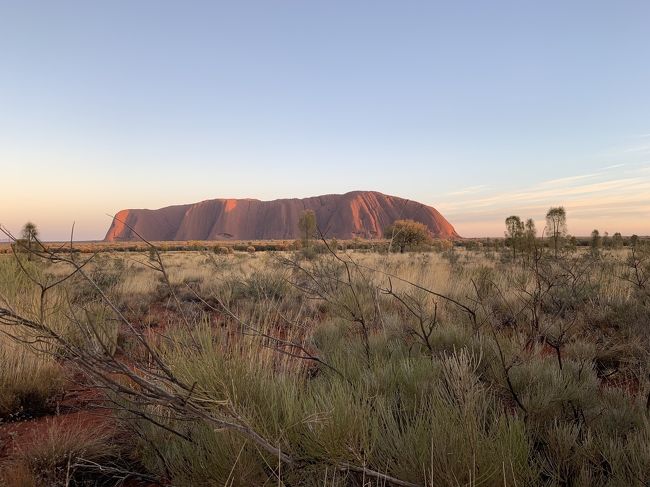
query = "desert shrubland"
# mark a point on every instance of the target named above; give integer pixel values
(457, 366)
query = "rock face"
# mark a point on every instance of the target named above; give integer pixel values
(362, 214)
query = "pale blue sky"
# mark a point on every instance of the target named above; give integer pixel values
(481, 109)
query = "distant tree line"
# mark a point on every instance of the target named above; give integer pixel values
(521, 237)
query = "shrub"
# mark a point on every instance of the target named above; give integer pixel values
(28, 381)
(223, 250)
(494, 372)
(66, 453)
(407, 234)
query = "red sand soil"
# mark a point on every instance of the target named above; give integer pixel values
(82, 407)
(79, 407)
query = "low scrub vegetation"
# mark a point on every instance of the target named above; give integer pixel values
(28, 381)
(63, 453)
(478, 366)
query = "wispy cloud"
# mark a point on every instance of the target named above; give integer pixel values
(569, 179)
(469, 190)
(618, 199)
(641, 149)
(613, 166)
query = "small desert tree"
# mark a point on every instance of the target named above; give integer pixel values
(571, 243)
(617, 240)
(29, 235)
(405, 234)
(514, 232)
(556, 223)
(596, 242)
(530, 235)
(606, 241)
(307, 226)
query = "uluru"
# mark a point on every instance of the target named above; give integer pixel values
(363, 214)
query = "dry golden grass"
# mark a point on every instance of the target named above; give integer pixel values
(28, 380)
(64, 454)
(522, 392)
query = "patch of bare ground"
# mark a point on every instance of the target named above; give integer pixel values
(79, 443)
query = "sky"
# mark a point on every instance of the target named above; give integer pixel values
(482, 109)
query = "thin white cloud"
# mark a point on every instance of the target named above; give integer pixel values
(613, 166)
(641, 149)
(545, 192)
(589, 198)
(468, 190)
(569, 179)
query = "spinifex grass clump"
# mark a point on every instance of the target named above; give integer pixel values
(29, 379)
(68, 453)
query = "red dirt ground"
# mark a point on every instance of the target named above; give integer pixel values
(81, 407)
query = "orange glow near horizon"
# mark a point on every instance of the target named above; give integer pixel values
(611, 199)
